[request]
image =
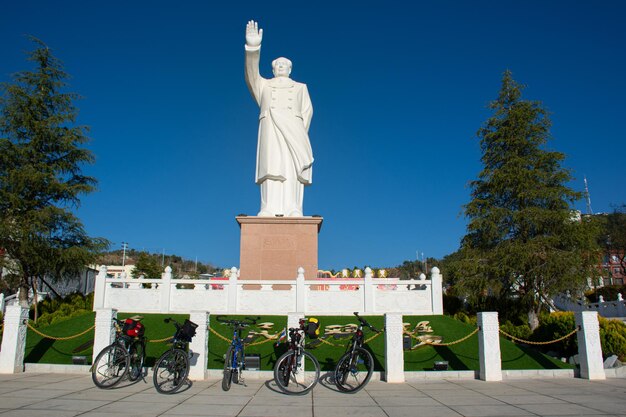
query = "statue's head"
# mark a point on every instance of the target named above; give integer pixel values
(281, 67)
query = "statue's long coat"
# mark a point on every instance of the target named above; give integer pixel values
(284, 119)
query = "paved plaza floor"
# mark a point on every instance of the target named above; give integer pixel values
(59, 395)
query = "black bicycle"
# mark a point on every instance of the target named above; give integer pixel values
(355, 367)
(172, 368)
(289, 371)
(124, 357)
(235, 359)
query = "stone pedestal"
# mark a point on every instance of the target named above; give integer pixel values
(273, 248)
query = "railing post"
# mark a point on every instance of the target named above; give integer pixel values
(436, 288)
(166, 289)
(232, 290)
(368, 291)
(100, 288)
(394, 355)
(104, 333)
(293, 321)
(14, 340)
(1, 302)
(589, 348)
(199, 346)
(300, 291)
(489, 346)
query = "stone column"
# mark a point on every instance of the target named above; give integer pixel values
(199, 346)
(436, 288)
(489, 347)
(368, 291)
(300, 291)
(394, 355)
(293, 320)
(13, 340)
(166, 288)
(589, 348)
(232, 290)
(99, 290)
(104, 334)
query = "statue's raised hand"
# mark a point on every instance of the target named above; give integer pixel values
(254, 35)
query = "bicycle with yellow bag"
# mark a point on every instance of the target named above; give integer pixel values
(289, 372)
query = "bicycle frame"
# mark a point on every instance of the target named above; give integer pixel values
(238, 346)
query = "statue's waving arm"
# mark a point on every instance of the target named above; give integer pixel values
(254, 36)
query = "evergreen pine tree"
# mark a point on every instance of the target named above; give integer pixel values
(523, 238)
(41, 179)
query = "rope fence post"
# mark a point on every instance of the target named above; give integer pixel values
(199, 346)
(104, 333)
(13, 340)
(589, 348)
(394, 354)
(489, 347)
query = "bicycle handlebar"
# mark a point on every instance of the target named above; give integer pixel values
(248, 321)
(365, 323)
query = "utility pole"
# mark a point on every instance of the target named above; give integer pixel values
(587, 196)
(124, 246)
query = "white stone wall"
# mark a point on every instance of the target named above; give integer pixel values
(324, 297)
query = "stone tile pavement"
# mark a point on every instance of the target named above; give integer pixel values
(61, 395)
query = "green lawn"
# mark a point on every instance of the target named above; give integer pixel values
(462, 356)
(43, 350)
(268, 351)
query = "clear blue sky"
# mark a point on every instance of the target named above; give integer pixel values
(399, 90)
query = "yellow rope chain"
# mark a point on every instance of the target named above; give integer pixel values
(517, 339)
(463, 339)
(159, 340)
(59, 338)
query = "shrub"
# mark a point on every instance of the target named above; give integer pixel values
(461, 316)
(452, 304)
(521, 331)
(554, 326)
(613, 338)
(609, 293)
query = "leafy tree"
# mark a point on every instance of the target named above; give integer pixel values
(523, 239)
(148, 266)
(613, 239)
(40, 176)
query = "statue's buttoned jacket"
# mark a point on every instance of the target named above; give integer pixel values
(284, 119)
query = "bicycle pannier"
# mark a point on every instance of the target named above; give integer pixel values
(133, 328)
(188, 331)
(312, 328)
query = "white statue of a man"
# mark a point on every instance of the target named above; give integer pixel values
(284, 155)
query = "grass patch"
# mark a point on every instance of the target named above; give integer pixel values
(267, 350)
(464, 355)
(43, 350)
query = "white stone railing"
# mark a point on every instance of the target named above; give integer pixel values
(234, 296)
(604, 308)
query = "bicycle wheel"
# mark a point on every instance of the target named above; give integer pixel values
(137, 358)
(293, 380)
(110, 366)
(170, 371)
(238, 370)
(354, 370)
(228, 370)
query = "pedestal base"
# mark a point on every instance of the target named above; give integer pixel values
(273, 248)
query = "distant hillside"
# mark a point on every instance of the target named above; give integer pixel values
(180, 266)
